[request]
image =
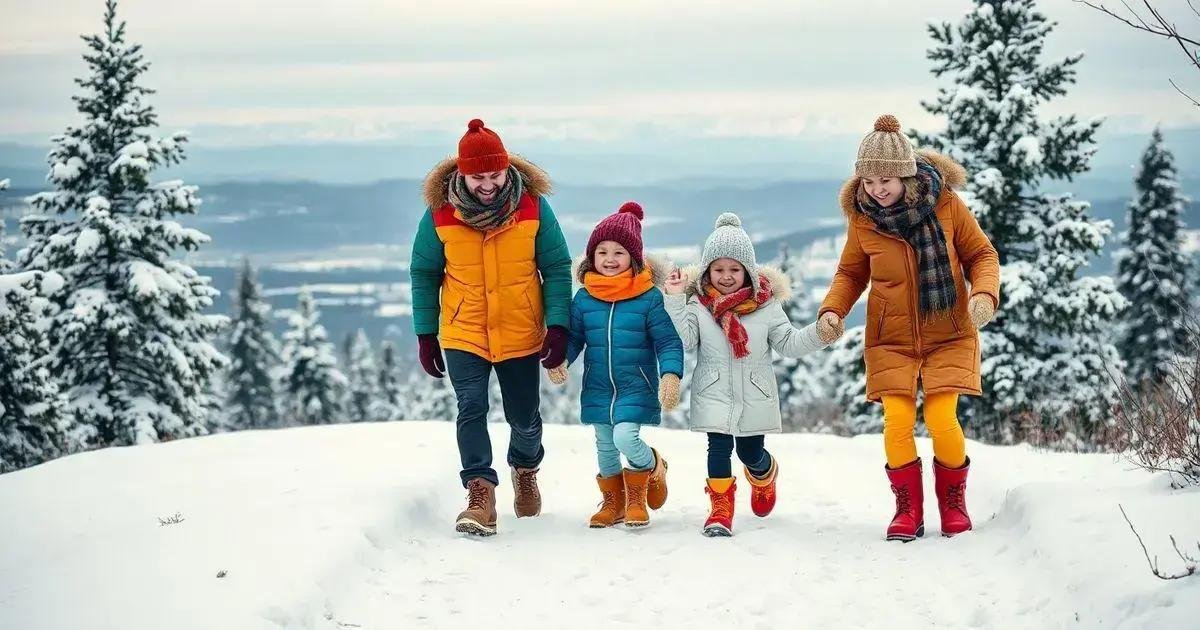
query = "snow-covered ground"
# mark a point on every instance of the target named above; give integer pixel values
(352, 527)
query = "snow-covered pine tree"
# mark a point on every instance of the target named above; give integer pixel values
(129, 340)
(363, 375)
(993, 128)
(313, 388)
(845, 377)
(250, 401)
(35, 425)
(1152, 270)
(1054, 358)
(429, 398)
(560, 403)
(388, 403)
(800, 382)
(999, 81)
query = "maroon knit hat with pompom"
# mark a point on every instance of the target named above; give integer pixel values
(624, 227)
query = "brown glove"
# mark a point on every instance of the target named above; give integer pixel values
(830, 327)
(981, 309)
(668, 392)
(558, 375)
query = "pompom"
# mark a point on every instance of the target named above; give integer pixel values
(634, 208)
(728, 218)
(888, 123)
(475, 125)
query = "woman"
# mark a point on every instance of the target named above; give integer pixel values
(914, 240)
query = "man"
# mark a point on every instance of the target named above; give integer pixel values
(492, 247)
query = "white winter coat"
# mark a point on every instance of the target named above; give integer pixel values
(738, 397)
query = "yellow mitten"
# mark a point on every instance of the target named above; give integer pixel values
(981, 310)
(668, 392)
(558, 375)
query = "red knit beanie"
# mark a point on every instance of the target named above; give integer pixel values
(624, 227)
(480, 150)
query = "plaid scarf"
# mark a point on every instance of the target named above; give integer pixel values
(484, 217)
(919, 226)
(727, 309)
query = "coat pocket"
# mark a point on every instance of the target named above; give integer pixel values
(762, 385)
(704, 381)
(650, 386)
(461, 299)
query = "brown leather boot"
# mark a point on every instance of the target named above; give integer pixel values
(656, 489)
(479, 519)
(636, 514)
(527, 501)
(612, 508)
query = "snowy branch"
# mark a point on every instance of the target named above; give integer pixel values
(1189, 563)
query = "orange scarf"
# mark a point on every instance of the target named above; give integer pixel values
(622, 286)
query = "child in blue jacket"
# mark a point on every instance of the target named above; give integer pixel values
(633, 362)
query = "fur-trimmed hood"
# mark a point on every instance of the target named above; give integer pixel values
(659, 268)
(954, 176)
(435, 191)
(781, 287)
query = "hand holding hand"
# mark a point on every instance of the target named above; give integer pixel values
(554, 348)
(830, 327)
(558, 375)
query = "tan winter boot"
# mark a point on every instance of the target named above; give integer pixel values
(527, 500)
(612, 508)
(479, 519)
(636, 514)
(656, 489)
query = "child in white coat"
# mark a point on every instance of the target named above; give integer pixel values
(730, 310)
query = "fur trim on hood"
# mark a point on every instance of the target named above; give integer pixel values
(954, 176)
(780, 286)
(537, 182)
(659, 268)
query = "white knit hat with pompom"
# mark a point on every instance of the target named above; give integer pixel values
(729, 240)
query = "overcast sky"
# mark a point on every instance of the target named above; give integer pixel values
(266, 71)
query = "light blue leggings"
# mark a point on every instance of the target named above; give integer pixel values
(623, 439)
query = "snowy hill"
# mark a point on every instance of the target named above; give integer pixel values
(351, 527)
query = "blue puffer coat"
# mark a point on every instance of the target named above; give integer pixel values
(629, 345)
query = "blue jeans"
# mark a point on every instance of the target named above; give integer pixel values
(623, 439)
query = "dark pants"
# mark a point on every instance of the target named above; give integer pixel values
(749, 449)
(519, 387)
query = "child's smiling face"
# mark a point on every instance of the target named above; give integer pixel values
(727, 275)
(611, 258)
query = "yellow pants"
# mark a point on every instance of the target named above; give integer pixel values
(941, 419)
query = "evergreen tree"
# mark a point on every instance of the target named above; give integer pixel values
(999, 81)
(35, 425)
(992, 57)
(1054, 355)
(429, 398)
(388, 404)
(800, 380)
(846, 380)
(254, 359)
(313, 388)
(363, 375)
(5, 265)
(129, 339)
(1152, 270)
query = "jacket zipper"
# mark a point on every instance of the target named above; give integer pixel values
(612, 407)
(912, 300)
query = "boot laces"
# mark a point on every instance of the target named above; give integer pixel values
(954, 495)
(722, 505)
(636, 493)
(477, 496)
(527, 482)
(760, 493)
(903, 499)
